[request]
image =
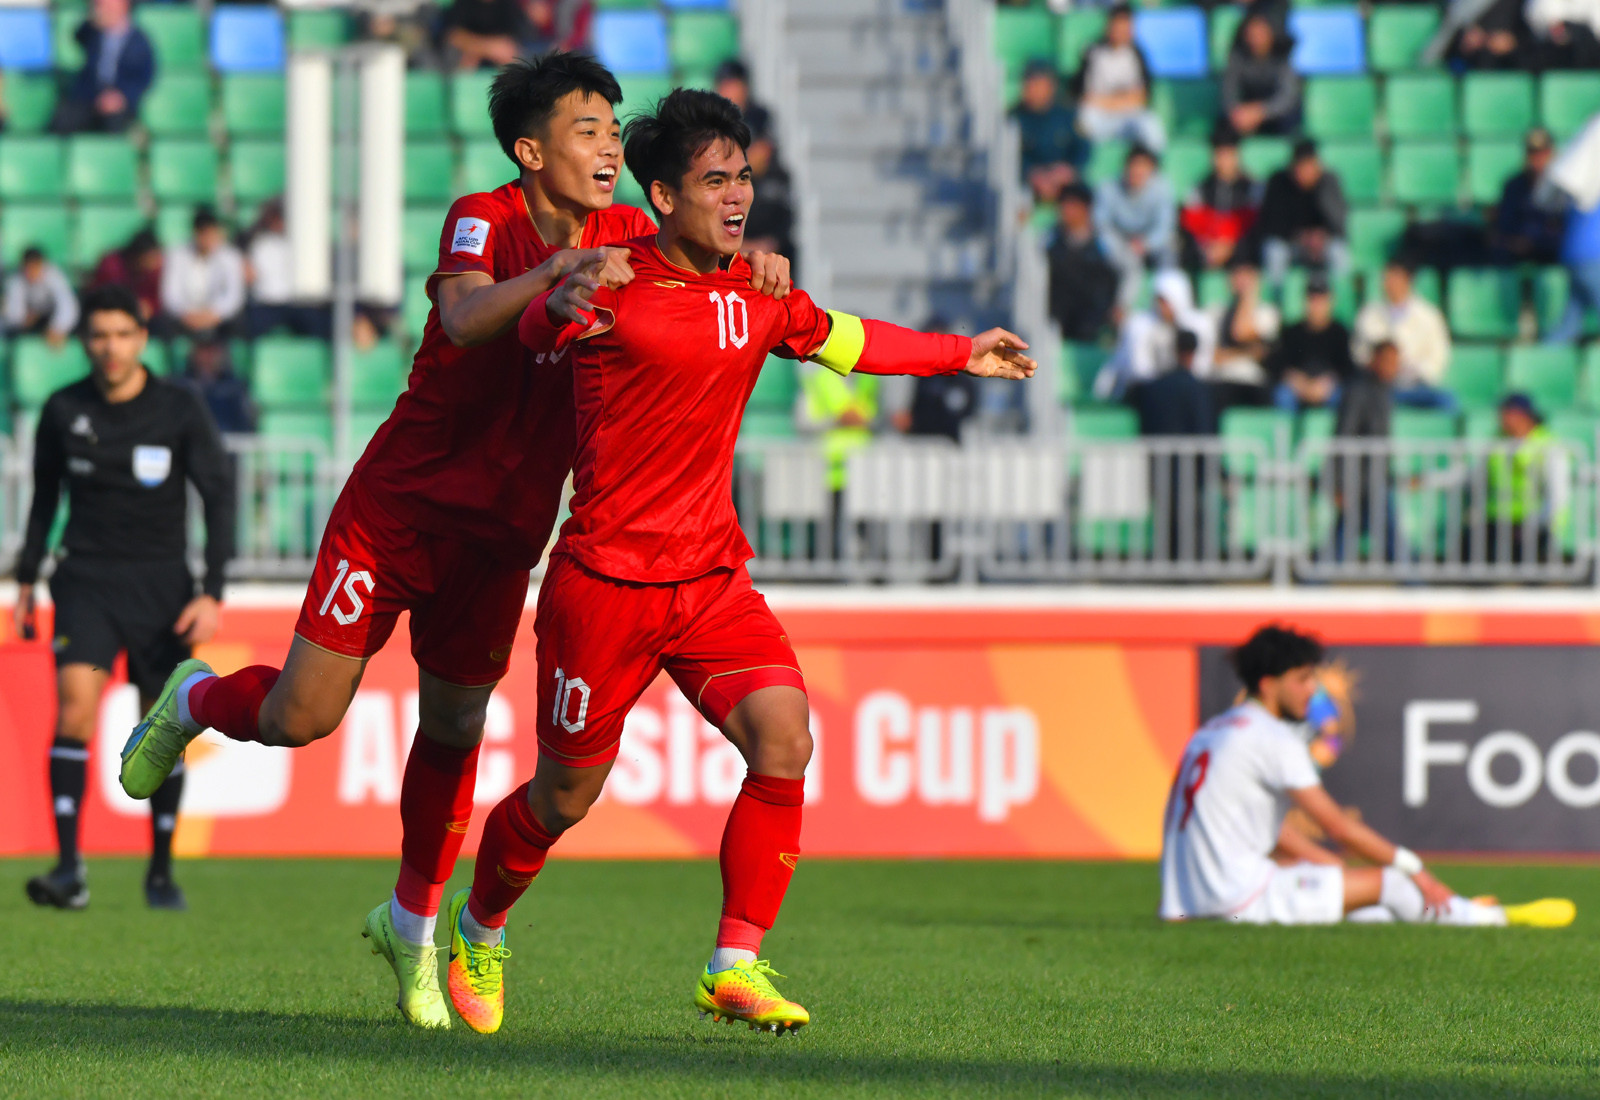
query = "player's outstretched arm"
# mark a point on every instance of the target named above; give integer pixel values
(1362, 840)
(877, 347)
(475, 310)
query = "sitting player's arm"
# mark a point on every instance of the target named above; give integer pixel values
(877, 347)
(1295, 847)
(474, 309)
(1362, 840)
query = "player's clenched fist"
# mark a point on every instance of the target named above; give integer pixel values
(569, 302)
(769, 274)
(998, 354)
(608, 266)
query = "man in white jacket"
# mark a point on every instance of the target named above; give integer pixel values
(1417, 328)
(202, 282)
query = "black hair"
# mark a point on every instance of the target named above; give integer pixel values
(524, 94)
(1075, 191)
(1272, 651)
(1304, 149)
(31, 253)
(1119, 11)
(141, 242)
(1187, 343)
(112, 299)
(1224, 135)
(660, 145)
(204, 218)
(1140, 150)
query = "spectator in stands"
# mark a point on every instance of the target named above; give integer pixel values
(1220, 212)
(4, 113)
(1083, 282)
(1565, 33)
(1366, 404)
(1260, 90)
(39, 300)
(1366, 408)
(1176, 402)
(558, 25)
(769, 226)
(209, 372)
(1135, 216)
(135, 266)
(1485, 34)
(269, 272)
(1417, 329)
(1302, 217)
(202, 282)
(941, 404)
(1148, 344)
(1580, 253)
(118, 66)
(484, 32)
(411, 30)
(733, 84)
(1526, 490)
(1246, 330)
(1053, 152)
(1310, 364)
(1528, 222)
(1113, 87)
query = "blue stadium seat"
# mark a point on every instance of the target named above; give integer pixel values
(721, 5)
(631, 41)
(24, 38)
(247, 38)
(1328, 41)
(1173, 41)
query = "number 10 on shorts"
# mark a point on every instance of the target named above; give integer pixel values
(561, 713)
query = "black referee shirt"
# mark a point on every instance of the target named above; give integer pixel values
(125, 466)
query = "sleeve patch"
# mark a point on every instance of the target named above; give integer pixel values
(470, 236)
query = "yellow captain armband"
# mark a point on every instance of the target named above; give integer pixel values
(841, 351)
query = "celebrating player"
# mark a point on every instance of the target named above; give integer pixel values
(649, 573)
(1238, 776)
(452, 503)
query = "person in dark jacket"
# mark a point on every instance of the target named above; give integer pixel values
(1302, 217)
(209, 374)
(1260, 90)
(1363, 494)
(1178, 404)
(1083, 283)
(118, 66)
(1311, 363)
(1221, 211)
(1053, 152)
(1528, 223)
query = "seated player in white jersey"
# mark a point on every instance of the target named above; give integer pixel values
(1239, 775)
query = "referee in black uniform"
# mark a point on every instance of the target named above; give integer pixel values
(124, 442)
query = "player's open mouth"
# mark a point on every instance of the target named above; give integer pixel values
(734, 224)
(606, 178)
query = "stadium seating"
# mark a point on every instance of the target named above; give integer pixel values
(30, 167)
(632, 41)
(25, 39)
(377, 376)
(1173, 41)
(256, 169)
(176, 32)
(1420, 105)
(1496, 104)
(183, 169)
(1022, 34)
(427, 110)
(290, 372)
(247, 38)
(101, 167)
(469, 103)
(253, 103)
(101, 228)
(47, 225)
(1484, 303)
(178, 104)
(1397, 34)
(38, 370)
(1341, 106)
(1425, 172)
(1546, 373)
(30, 101)
(1327, 41)
(1476, 375)
(1567, 100)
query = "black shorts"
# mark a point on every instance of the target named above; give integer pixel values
(105, 606)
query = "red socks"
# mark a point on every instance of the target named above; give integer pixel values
(230, 704)
(760, 847)
(435, 810)
(509, 858)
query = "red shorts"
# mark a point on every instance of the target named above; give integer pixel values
(465, 604)
(602, 642)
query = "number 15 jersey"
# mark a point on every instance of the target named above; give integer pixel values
(1226, 808)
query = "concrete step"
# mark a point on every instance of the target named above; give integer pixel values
(871, 50)
(905, 301)
(825, 100)
(930, 259)
(859, 132)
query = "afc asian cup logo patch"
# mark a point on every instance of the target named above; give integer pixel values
(470, 236)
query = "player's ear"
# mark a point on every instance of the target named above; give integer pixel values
(660, 196)
(530, 153)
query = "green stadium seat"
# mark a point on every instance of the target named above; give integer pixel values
(641, 91)
(364, 424)
(469, 104)
(1185, 163)
(178, 104)
(157, 357)
(1373, 233)
(30, 100)
(1425, 172)
(1480, 425)
(1104, 422)
(253, 103)
(1423, 424)
(430, 168)
(427, 114)
(174, 223)
(629, 193)
(183, 169)
(1397, 35)
(1476, 375)
(1567, 100)
(766, 424)
(64, 20)
(377, 376)
(1105, 161)
(1577, 429)
(1225, 20)
(177, 34)
(1550, 289)
(256, 169)
(297, 424)
(1079, 29)
(324, 29)
(1262, 156)
(46, 225)
(102, 167)
(1489, 165)
(484, 167)
(1188, 108)
(1020, 35)
(1341, 106)
(1496, 104)
(290, 371)
(415, 305)
(1548, 373)
(1080, 363)
(1420, 105)
(30, 167)
(420, 227)
(1590, 380)
(702, 40)
(1269, 427)
(776, 386)
(102, 228)
(38, 370)
(1359, 166)
(1212, 290)
(1484, 303)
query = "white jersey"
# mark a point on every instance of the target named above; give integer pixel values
(1225, 810)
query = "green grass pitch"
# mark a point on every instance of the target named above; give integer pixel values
(924, 979)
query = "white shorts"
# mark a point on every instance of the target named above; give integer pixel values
(1304, 893)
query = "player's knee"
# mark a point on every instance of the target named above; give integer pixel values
(783, 750)
(558, 809)
(459, 725)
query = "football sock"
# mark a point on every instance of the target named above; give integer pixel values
(228, 704)
(1400, 896)
(163, 821)
(510, 855)
(760, 846)
(435, 810)
(185, 716)
(69, 763)
(724, 957)
(409, 926)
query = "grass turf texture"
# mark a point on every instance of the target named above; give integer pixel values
(925, 979)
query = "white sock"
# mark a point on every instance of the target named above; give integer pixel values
(1464, 912)
(185, 719)
(1401, 897)
(724, 957)
(479, 933)
(409, 926)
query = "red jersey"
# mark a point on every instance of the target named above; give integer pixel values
(480, 444)
(660, 391)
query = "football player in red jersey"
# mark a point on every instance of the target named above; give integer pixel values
(453, 501)
(649, 573)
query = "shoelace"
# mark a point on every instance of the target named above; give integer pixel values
(761, 974)
(479, 956)
(427, 970)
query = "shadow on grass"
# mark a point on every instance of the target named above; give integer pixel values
(121, 1033)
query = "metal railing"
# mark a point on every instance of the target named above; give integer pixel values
(1065, 511)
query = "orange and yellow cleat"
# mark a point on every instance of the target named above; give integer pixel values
(744, 992)
(477, 980)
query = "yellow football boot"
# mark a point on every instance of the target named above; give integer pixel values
(1544, 913)
(744, 992)
(416, 965)
(477, 981)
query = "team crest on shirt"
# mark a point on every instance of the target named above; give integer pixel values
(81, 426)
(151, 465)
(470, 236)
